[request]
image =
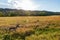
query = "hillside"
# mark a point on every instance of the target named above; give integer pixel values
(15, 12)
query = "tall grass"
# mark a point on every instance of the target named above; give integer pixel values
(31, 28)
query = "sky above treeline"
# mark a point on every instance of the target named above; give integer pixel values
(48, 5)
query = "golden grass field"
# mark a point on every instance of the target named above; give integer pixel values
(29, 23)
(28, 19)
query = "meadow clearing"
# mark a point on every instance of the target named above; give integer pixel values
(30, 28)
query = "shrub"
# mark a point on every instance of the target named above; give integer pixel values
(7, 37)
(15, 35)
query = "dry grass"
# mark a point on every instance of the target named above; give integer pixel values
(30, 22)
(28, 19)
(33, 25)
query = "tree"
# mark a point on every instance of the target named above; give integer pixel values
(1, 14)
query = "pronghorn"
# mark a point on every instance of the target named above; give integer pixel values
(14, 28)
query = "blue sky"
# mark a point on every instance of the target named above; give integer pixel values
(49, 5)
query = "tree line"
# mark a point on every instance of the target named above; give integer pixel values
(15, 12)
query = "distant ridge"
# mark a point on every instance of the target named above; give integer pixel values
(20, 12)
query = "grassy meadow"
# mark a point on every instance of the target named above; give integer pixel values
(30, 28)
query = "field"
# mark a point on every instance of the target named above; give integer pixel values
(30, 28)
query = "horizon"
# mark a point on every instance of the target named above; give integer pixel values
(47, 5)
